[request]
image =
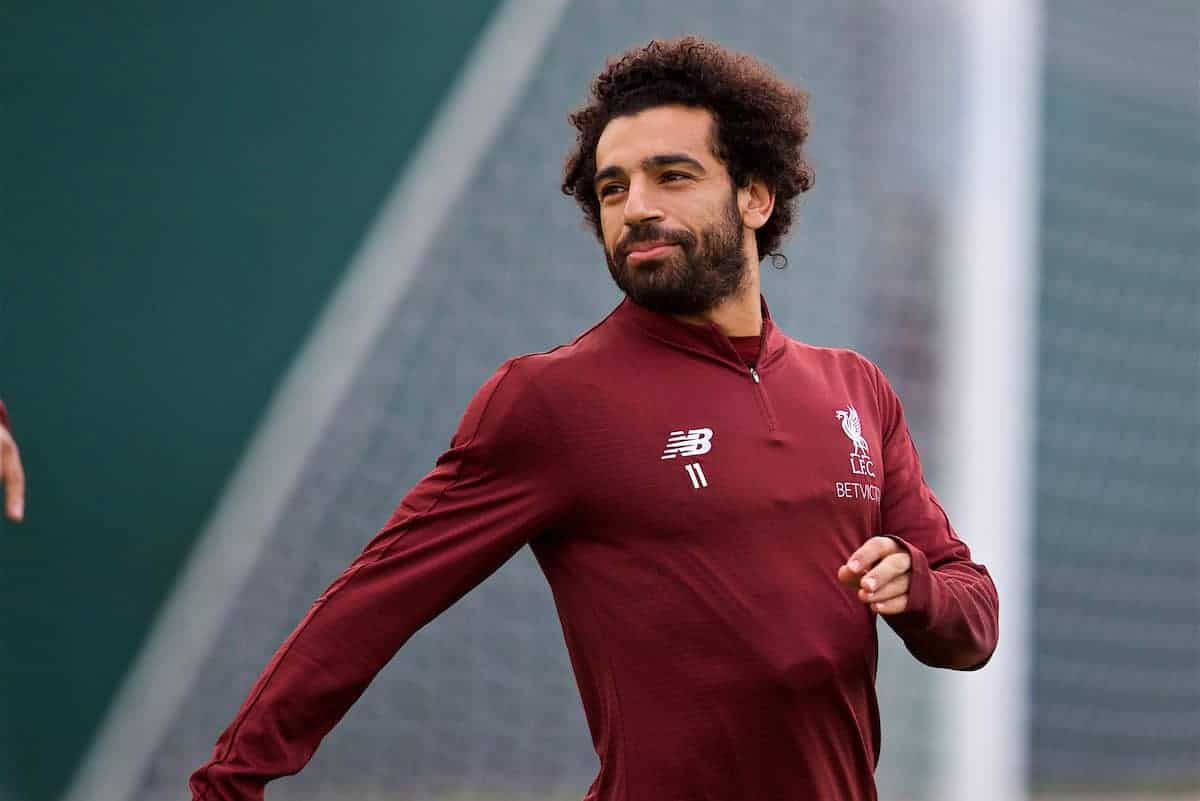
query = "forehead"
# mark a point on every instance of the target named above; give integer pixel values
(627, 140)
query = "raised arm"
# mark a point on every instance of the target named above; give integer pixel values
(497, 487)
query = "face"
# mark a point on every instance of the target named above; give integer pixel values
(674, 230)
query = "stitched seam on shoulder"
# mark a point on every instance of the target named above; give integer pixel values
(874, 375)
(467, 447)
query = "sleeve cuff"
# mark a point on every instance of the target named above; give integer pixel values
(922, 600)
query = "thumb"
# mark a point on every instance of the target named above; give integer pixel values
(14, 480)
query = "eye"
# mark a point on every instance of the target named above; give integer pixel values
(674, 177)
(610, 189)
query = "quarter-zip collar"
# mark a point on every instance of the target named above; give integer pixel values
(703, 340)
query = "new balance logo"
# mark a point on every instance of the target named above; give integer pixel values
(692, 442)
(696, 474)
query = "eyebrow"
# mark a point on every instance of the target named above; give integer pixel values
(650, 163)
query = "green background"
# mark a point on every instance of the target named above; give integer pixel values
(183, 187)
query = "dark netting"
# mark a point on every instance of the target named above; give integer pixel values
(1117, 676)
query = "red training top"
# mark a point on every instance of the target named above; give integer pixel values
(690, 514)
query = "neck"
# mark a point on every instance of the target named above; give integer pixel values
(740, 314)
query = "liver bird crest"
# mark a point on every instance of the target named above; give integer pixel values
(852, 426)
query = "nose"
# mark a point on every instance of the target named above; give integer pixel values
(640, 205)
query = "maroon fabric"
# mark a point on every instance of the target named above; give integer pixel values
(747, 348)
(690, 522)
(4, 417)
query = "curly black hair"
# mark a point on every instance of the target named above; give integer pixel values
(761, 121)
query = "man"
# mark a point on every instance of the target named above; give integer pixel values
(721, 511)
(12, 475)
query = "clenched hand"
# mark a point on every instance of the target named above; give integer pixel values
(879, 570)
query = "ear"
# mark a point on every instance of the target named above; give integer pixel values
(756, 201)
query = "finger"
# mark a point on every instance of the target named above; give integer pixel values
(893, 589)
(848, 577)
(889, 568)
(893, 607)
(14, 480)
(871, 552)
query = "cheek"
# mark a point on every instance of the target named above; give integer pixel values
(610, 228)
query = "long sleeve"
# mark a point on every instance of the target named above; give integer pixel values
(499, 485)
(4, 423)
(952, 617)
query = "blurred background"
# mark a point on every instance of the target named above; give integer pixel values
(257, 257)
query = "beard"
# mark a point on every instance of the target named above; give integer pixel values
(695, 278)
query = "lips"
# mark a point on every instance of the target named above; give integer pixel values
(643, 251)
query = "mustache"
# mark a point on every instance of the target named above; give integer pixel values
(651, 232)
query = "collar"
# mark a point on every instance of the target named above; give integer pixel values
(704, 340)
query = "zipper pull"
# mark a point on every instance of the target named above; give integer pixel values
(754, 375)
